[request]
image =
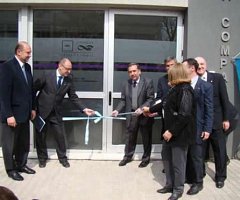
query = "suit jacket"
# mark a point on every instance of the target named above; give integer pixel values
(233, 118)
(17, 97)
(203, 94)
(145, 98)
(50, 98)
(162, 87)
(220, 99)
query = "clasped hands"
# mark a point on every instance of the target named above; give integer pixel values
(147, 113)
(137, 112)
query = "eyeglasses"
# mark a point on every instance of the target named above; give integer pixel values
(67, 68)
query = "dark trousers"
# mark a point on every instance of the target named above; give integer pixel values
(174, 161)
(59, 136)
(131, 138)
(195, 162)
(218, 141)
(15, 145)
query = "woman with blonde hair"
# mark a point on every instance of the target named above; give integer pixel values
(179, 120)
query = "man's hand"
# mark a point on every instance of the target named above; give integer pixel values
(89, 112)
(205, 135)
(33, 114)
(11, 121)
(167, 135)
(115, 113)
(226, 125)
(153, 114)
(138, 112)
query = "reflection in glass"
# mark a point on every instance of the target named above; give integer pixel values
(77, 35)
(146, 40)
(8, 33)
(75, 130)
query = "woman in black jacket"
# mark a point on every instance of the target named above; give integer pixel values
(179, 125)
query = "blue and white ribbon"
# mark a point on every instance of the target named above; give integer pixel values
(96, 119)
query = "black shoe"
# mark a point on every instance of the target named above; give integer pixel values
(163, 170)
(195, 188)
(143, 164)
(165, 190)
(15, 176)
(65, 164)
(175, 196)
(220, 184)
(27, 170)
(228, 161)
(42, 163)
(124, 161)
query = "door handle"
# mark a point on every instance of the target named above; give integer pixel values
(109, 98)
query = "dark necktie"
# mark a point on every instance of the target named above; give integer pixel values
(24, 73)
(134, 83)
(59, 83)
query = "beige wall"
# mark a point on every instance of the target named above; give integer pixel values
(111, 3)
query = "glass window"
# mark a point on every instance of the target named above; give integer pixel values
(8, 33)
(75, 130)
(8, 37)
(77, 35)
(146, 40)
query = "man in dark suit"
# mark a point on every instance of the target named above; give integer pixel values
(163, 86)
(137, 92)
(17, 108)
(203, 95)
(220, 120)
(52, 87)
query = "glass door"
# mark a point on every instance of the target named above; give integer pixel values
(79, 36)
(146, 38)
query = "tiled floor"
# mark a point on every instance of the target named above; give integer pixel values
(105, 180)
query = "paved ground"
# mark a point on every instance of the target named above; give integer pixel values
(105, 180)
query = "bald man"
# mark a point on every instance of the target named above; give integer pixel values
(220, 120)
(52, 87)
(17, 108)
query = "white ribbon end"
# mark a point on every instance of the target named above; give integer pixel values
(99, 117)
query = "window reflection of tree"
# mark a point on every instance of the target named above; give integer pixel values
(169, 28)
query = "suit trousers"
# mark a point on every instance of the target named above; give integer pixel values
(218, 141)
(195, 162)
(175, 158)
(131, 138)
(58, 134)
(15, 145)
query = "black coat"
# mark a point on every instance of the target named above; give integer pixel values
(179, 114)
(220, 99)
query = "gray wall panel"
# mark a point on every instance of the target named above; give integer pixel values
(204, 29)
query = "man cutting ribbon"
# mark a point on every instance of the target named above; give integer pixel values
(52, 87)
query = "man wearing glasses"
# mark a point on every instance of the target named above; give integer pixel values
(52, 87)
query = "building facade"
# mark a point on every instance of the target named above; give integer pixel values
(102, 37)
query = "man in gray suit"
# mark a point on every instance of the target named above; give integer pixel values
(137, 92)
(52, 87)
